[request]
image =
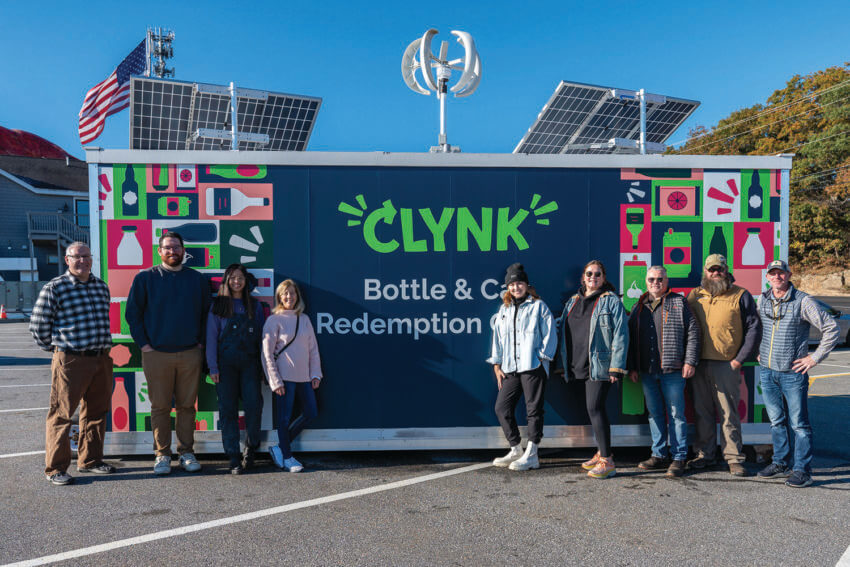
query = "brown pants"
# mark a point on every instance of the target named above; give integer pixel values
(77, 380)
(173, 376)
(717, 389)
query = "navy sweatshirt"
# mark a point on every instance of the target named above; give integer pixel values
(168, 310)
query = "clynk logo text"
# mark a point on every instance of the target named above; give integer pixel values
(422, 231)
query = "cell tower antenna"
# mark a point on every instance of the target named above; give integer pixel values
(418, 56)
(160, 48)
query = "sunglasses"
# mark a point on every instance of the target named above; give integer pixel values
(655, 280)
(715, 269)
(593, 274)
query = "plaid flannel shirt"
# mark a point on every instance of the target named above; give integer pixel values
(72, 314)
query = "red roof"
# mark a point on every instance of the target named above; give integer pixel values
(20, 143)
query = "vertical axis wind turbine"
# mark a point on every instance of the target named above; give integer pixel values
(418, 56)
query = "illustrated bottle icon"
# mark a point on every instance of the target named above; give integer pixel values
(634, 224)
(717, 244)
(238, 171)
(752, 254)
(192, 232)
(160, 177)
(755, 198)
(173, 206)
(130, 193)
(129, 251)
(120, 406)
(228, 201)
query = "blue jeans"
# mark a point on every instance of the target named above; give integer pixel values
(286, 432)
(239, 380)
(794, 388)
(665, 394)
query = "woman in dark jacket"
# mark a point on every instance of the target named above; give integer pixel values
(594, 345)
(234, 331)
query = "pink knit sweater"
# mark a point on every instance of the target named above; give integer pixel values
(300, 361)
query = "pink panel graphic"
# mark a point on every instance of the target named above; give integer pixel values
(753, 245)
(775, 181)
(236, 201)
(750, 279)
(120, 281)
(635, 228)
(677, 201)
(126, 242)
(161, 178)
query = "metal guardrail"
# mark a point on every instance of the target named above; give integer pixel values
(19, 296)
(56, 225)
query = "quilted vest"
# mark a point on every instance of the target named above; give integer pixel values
(786, 334)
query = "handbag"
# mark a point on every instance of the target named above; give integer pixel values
(286, 346)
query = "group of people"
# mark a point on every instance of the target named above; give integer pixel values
(665, 341)
(179, 329)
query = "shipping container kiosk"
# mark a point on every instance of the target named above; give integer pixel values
(401, 258)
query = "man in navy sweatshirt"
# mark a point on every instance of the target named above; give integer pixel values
(166, 311)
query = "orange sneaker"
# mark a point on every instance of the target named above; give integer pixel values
(603, 469)
(587, 465)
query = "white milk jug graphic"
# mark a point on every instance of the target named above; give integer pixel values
(129, 250)
(752, 254)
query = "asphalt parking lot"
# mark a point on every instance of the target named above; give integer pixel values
(413, 508)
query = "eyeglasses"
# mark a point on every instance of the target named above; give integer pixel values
(655, 280)
(715, 269)
(593, 274)
(79, 257)
(170, 248)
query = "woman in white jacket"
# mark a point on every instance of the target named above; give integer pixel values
(293, 368)
(524, 342)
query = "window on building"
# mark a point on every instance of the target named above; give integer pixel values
(81, 212)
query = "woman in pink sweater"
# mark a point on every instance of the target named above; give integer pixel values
(293, 368)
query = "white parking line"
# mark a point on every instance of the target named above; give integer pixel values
(85, 551)
(10, 455)
(25, 385)
(22, 409)
(845, 559)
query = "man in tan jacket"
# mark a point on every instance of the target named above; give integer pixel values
(731, 331)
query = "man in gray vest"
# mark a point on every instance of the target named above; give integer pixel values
(786, 315)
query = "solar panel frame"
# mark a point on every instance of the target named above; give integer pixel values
(164, 115)
(579, 114)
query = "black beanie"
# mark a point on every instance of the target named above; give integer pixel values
(516, 273)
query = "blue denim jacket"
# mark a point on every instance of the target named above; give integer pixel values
(609, 336)
(534, 335)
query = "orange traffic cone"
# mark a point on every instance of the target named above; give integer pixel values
(2, 312)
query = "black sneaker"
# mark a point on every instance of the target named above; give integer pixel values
(774, 470)
(236, 465)
(676, 469)
(700, 463)
(99, 468)
(60, 478)
(654, 463)
(799, 479)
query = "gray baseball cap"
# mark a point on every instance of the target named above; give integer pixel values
(778, 265)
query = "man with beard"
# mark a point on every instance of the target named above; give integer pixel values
(166, 311)
(731, 330)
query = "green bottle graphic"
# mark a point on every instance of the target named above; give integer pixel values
(635, 224)
(238, 171)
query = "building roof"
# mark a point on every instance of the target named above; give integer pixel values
(26, 144)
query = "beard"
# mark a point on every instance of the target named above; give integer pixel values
(173, 261)
(716, 287)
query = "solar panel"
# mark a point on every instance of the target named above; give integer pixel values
(170, 115)
(584, 119)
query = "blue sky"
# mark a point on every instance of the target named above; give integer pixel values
(728, 55)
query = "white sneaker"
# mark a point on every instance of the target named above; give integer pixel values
(189, 462)
(514, 454)
(277, 456)
(528, 460)
(162, 465)
(292, 465)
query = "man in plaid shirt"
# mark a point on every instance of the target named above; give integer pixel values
(71, 319)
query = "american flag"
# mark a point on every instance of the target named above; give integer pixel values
(110, 95)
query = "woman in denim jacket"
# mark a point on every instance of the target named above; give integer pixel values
(524, 342)
(594, 344)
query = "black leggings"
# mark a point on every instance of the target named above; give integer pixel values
(596, 392)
